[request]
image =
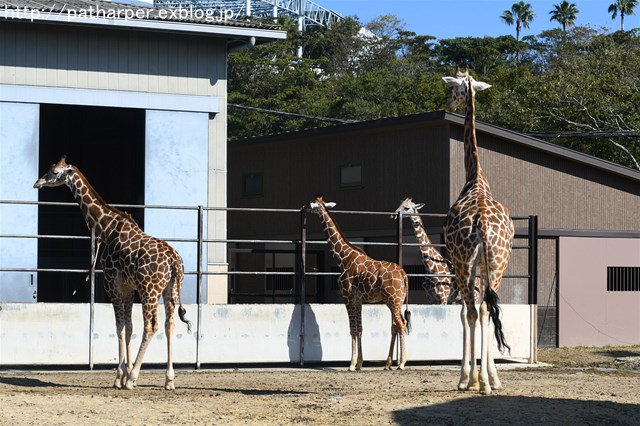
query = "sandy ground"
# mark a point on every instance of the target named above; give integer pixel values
(579, 387)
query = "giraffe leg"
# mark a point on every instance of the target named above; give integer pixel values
(472, 319)
(169, 307)
(485, 387)
(355, 324)
(394, 333)
(121, 372)
(128, 324)
(398, 328)
(150, 314)
(494, 381)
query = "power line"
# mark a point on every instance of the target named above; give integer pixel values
(594, 134)
(292, 114)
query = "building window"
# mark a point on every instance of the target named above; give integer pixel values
(350, 176)
(252, 185)
(623, 278)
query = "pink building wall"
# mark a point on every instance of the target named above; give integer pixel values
(589, 315)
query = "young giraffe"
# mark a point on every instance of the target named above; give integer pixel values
(364, 279)
(443, 288)
(132, 261)
(478, 232)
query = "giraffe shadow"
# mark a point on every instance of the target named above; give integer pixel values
(521, 410)
(28, 382)
(253, 392)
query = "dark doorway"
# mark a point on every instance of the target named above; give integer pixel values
(107, 145)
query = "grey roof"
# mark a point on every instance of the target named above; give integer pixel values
(117, 14)
(457, 119)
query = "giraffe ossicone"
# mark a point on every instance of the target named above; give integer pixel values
(366, 280)
(472, 219)
(131, 261)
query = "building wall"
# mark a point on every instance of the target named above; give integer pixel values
(589, 314)
(136, 69)
(562, 193)
(91, 58)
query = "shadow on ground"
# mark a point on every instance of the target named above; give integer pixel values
(521, 410)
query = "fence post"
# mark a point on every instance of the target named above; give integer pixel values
(92, 299)
(533, 260)
(199, 281)
(400, 239)
(302, 267)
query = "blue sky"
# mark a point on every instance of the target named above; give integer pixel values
(474, 18)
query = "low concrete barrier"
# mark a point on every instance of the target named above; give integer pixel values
(59, 334)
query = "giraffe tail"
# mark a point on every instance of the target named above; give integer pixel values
(490, 296)
(407, 313)
(182, 312)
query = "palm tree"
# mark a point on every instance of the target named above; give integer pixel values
(521, 13)
(565, 13)
(624, 7)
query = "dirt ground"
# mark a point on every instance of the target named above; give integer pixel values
(580, 386)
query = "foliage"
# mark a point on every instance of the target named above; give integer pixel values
(573, 80)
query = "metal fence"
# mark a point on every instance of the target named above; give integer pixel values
(300, 272)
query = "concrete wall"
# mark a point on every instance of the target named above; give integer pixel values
(58, 334)
(589, 315)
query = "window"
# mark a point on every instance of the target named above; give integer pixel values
(351, 175)
(252, 185)
(623, 278)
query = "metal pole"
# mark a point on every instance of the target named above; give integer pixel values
(533, 260)
(400, 238)
(199, 281)
(92, 299)
(302, 265)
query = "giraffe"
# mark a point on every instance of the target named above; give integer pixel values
(131, 261)
(443, 288)
(364, 279)
(478, 232)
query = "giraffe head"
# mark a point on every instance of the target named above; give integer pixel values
(318, 202)
(407, 208)
(460, 87)
(56, 175)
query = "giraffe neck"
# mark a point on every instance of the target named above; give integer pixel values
(98, 215)
(471, 158)
(338, 244)
(432, 259)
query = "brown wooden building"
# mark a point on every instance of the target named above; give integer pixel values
(373, 165)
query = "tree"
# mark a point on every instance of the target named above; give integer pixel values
(624, 7)
(521, 13)
(565, 13)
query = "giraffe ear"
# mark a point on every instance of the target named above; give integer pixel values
(480, 85)
(419, 206)
(329, 205)
(452, 81)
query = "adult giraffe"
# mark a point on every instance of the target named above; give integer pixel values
(478, 232)
(364, 279)
(131, 261)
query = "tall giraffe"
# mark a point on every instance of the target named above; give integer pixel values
(443, 288)
(131, 261)
(364, 279)
(478, 232)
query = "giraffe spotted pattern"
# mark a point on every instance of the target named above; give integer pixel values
(443, 288)
(478, 233)
(132, 262)
(366, 280)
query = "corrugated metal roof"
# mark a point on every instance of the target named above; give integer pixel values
(100, 9)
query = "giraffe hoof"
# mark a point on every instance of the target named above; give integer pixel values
(169, 386)
(462, 386)
(486, 390)
(130, 384)
(401, 367)
(352, 368)
(387, 367)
